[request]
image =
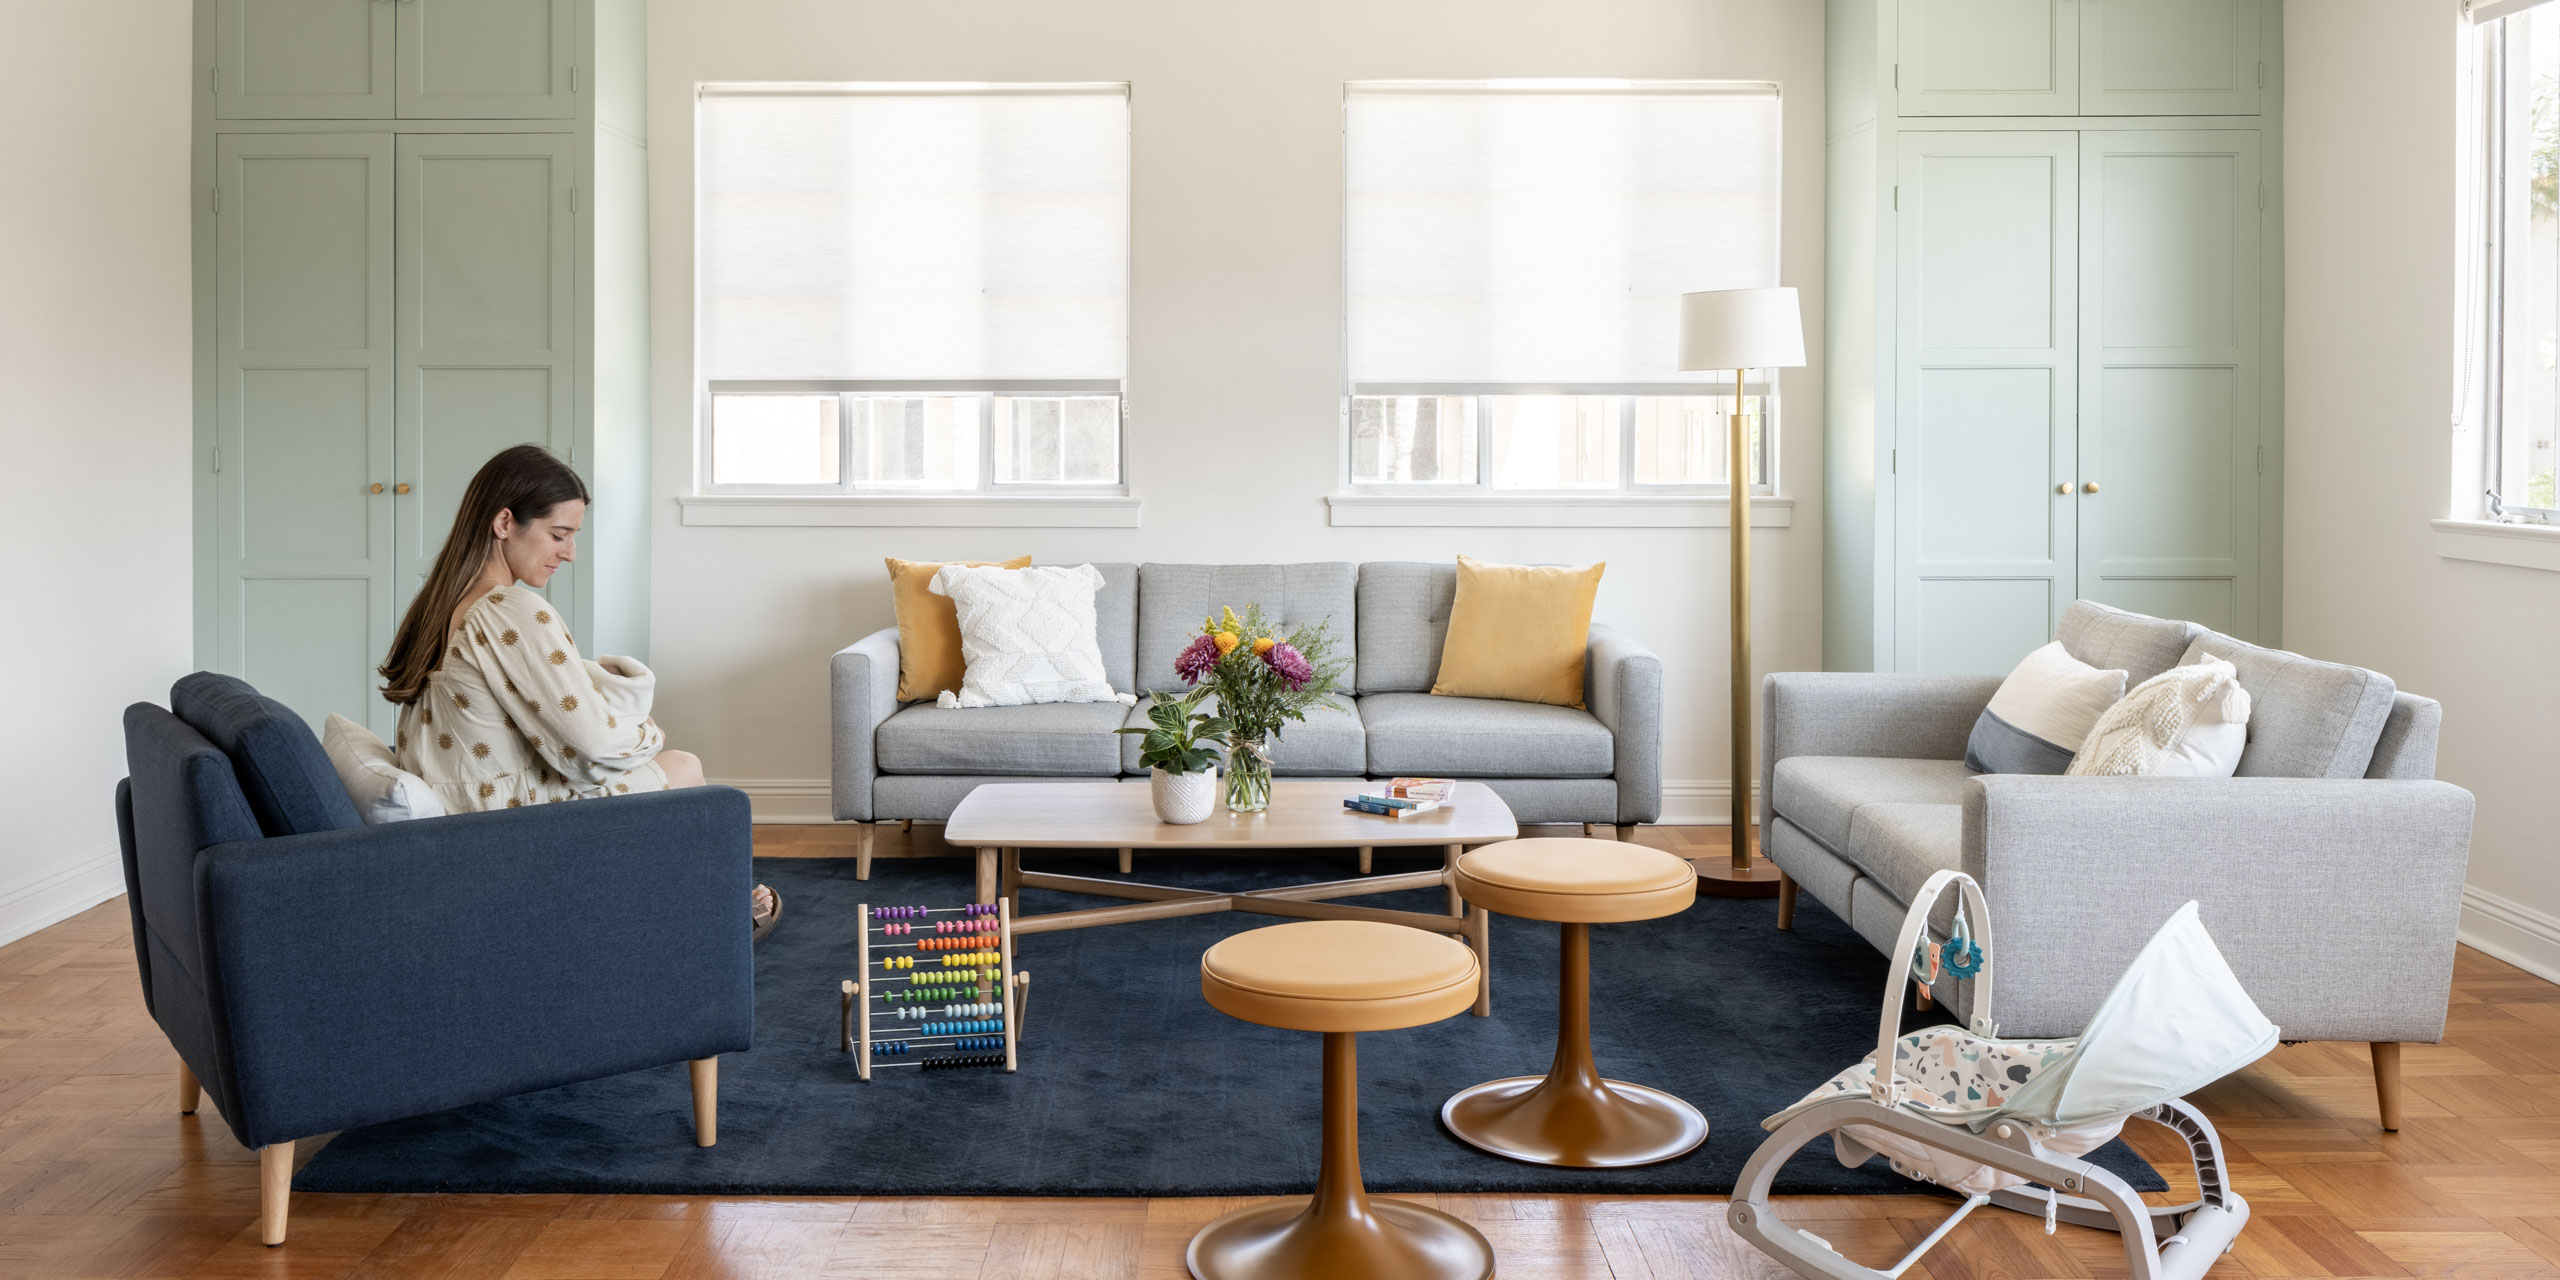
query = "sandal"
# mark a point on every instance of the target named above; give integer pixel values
(764, 921)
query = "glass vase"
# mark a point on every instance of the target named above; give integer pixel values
(1248, 775)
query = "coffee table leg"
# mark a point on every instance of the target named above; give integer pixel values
(986, 875)
(1449, 878)
(1009, 878)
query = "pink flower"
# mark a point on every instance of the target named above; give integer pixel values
(1291, 664)
(1195, 660)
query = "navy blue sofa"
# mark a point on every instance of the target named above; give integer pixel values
(316, 974)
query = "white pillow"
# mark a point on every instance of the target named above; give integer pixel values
(1026, 635)
(2043, 710)
(2186, 722)
(382, 790)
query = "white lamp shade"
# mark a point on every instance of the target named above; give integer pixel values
(1741, 329)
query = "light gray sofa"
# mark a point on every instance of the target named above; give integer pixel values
(914, 761)
(2330, 870)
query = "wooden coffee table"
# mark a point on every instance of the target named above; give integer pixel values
(1000, 820)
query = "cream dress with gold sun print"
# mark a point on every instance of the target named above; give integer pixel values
(515, 717)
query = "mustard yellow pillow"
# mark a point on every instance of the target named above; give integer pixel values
(1518, 631)
(929, 627)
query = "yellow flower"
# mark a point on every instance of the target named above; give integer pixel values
(1227, 620)
(1210, 627)
(1227, 642)
(1263, 646)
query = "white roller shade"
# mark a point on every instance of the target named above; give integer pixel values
(1544, 235)
(913, 233)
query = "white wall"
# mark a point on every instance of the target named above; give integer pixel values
(2370, 262)
(1236, 330)
(94, 408)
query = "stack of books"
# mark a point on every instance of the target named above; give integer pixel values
(1402, 797)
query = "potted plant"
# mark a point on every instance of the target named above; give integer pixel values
(1182, 766)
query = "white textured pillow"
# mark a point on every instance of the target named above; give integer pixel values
(1026, 635)
(382, 790)
(2043, 710)
(2186, 722)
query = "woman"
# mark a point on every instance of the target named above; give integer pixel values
(497, 708)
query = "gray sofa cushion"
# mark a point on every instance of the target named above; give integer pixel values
(1050, 739)
(1115, 624)
(1900, 846)
(1404, 619)
(2109, 638)
(1823, 794)
(932, 797)
(1418, 734)
(1173, 600)
(2407, 749)
(1327, 744)
(2307, 718)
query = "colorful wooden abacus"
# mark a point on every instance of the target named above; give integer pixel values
(944, 981)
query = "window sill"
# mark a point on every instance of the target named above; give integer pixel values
(2525, 546)
(1555, 511)
(912, 511)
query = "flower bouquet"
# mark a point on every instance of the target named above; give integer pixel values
(1262, 680)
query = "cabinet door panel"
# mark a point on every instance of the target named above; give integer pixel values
(1987, 58)
(485, 331)
(486, 59)
(303, 59)
(2170, 371)
(303, 382)
(1984, 387)
(2169, 57)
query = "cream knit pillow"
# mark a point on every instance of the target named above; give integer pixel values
(1026, 635)
(2186, 722)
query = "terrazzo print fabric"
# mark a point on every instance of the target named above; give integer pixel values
(1954, 1078)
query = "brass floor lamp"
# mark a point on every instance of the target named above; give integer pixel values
(1741, 330)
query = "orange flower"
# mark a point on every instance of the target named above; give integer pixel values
(1227, 642)
(1263, 646)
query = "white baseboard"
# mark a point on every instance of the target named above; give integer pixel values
(797, 800)
(35, 903)
(2503, 927)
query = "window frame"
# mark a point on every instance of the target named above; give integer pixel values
(847, 390)
(705, 484)
(1765, 457)
(2496, 241)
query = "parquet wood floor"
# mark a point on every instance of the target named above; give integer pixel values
(100, 1177)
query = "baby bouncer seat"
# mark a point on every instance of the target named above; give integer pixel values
(2006, 1122)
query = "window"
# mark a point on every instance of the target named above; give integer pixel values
(1515, 254)
(912, 289)
(2518, 366)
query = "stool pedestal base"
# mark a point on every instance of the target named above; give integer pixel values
(1570, 1117)
(1339, 1233)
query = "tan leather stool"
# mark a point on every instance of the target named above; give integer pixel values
(1570, 1116)
(1340, 977)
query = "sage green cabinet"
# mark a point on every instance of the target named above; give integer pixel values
(304, 591)
(387, 293)
(1986, 367)
(2169, 369)
(2078, 57)
(404, 59)
(2053, 284)
(485, 354)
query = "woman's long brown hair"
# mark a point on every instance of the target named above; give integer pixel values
(527, 480)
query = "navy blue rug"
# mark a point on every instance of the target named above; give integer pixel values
(1131, 1085)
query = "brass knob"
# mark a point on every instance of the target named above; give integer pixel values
(377, 486)
(2064, 487)
(402, 488)
(2091, 487)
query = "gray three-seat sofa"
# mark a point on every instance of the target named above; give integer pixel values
(914, 761)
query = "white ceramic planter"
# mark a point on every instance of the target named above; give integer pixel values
(1183, 798)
